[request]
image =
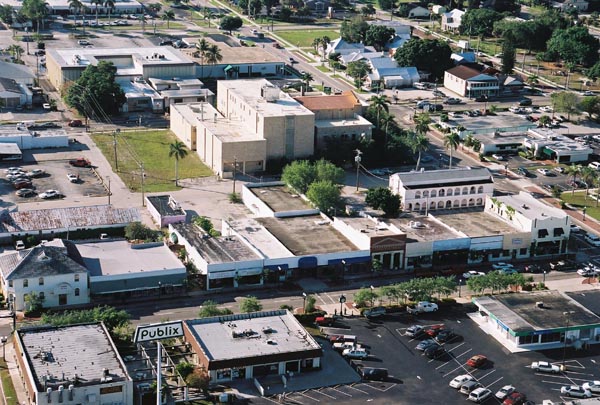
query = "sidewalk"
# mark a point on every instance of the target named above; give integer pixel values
(13, 368)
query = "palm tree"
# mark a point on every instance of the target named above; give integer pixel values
(422, 122)
(315, 43)
(533, 80)
(209, 15)
(110, 6)
(386, 121)
(96, 3)
(202, 47)
(379, 103)
(451, 141)
(419, 144)
(589, 176)
(168, 16)
(307, 78)
(178, 151)
(213, 55)
(16, 50)
(143, 20)
(76, 6)
(573, 170)
(324, 42)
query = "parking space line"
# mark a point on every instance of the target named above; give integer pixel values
(322, 393)
(494, 382)
(308, 396)
(380, 389)
(455, 347)
(463, 353)
(485, 375)
(354, 388)
(269, 399)
(554, 382)
(341, 392)
(442, 365)
(294, 398)
(578, 373)
(452, 371)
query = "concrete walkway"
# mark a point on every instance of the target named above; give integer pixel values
(13, 368)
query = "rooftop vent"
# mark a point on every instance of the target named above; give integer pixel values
(270, 93)
(539, 304)
(416, 224)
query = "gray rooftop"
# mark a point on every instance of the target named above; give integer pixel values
(280, 327)
(307, 235)
(166, 205)
(38, 261)
(521, 314)
(280, 198)
(420, 228)
(528, 206)
(445, 177)
(16, 71)
(117, 257)
(84, 351)
(216, 250)
(9, 85)
(475, 222)
(63, 218)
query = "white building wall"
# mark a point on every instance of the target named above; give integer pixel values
(455, 84)
(52, 287)
(361, 240)
(89, 394)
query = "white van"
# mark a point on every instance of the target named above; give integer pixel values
(420, 86)
(423, 104)
(594, 165)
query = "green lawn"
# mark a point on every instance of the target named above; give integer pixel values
(152, 148)
(304, 38)
(323, 69)
(578, 200)
(7, 384)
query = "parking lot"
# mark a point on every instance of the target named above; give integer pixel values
(54, 178)
(412, 376)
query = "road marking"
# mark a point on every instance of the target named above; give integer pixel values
(440, 366)
(494, 382)
(380, 389)
(485, 375)
(322, 393)
(341, 392)
(463, 353)
(354, 388)
(452, 371)
(455, 347)
(269, 399)
(308, 396)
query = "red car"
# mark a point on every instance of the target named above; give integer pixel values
(434, 330)
(476, 361)
(75, 123)
(516, 398)
(22, 184)
(80, 162)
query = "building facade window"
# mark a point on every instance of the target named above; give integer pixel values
(77, 292)
(76, 277)
(41, 281)
(25, 283)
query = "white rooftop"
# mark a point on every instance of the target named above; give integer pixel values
(446, 176)
(557, 142)
(257, 334)
(250, 91)
(531, 208)
(260, 238)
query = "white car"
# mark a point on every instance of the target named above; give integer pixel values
(587, 272)
(498, 157)
(84, 42)
(593, 386)
(559, 169)
(73, 178)
(575, 228)
(47, 106)
(50, 194)
(13, 169)
(504, 392)
(545, 367)
(546, 108)
(19, 245)
(575, 391)
(589, 93)
(479, 395)
(355, 353)
(543, 171)
(515, 109)
(472, 273)
(458, 381)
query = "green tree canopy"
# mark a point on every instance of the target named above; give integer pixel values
(139, 231)
(430, 55)
(565, 102)
(111, 317)
(479, 22)
(573, 45)
(250, 304)
(96, 92)
(381, 198)
(230, 23)
(378, 36)
(594, 72)
(358, 71)
(324, 194)
(365, 296)
(508, 55)
(210, 308)
(590, 105)
(354, 30)
(300, 174)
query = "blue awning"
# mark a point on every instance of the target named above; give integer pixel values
(228, 68)
(351, 260)
(307, 262)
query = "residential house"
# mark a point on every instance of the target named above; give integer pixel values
(342, 47)
(21, 74)
(13, 94)
(468, 82)
(418, 12)
(452, 20)
(385, 70)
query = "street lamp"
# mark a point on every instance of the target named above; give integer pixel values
(584, 210)
(357, 160)
(303, 302)
(343, 270)
(544, 276)
(460, 281)
(108, 178)
(567, 315)
(115, 133)
(506, 169)
(4, 339)
(159, 288)
(372, 296)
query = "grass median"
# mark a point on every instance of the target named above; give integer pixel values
(151, 148)
(10, 394)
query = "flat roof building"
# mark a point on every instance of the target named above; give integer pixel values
(165, 210)
(258, 344)
(536, 320)
(72, 364)
(551, 145)
(429, 190)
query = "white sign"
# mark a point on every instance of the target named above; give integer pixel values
(158, 331)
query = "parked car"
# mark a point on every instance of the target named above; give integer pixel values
(543, 171)
(373, 374)
(504, 392)
(423, 306)
(589, 93)
(324, 320)
(165, 42)
(515, 109)
(575, 391)
(587, 272)
(479, 395)
(523, 171)
(433, 330)
(80, 162)
(357, 353)
(546, 367)
(438, 93)
(469, 387)
(22, 184)
(502, 265)
(436, 107)
(13, 169)
(516, 398)
(433, 352)
(559, 169)
(472, 273)
(414, 330)
(592, 386)
(48, 194)
(423, 345)
(25, 192)
(84, 42)
(36, 173)
(341, 346)
(75, 123)
(525, 101)
(458, 381)
(452, 100)
(374, 312)
(533, 268)
(575, 228)
(482, 98)
(276, 45)
(445, 335)
(477, 361)
(73, 178)
(498, 157)
(592, 239)
(19, 245)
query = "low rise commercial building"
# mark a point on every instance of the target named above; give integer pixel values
(429, 190)
(25, 138)
(469, 82)
(254, 345)
(75, 364)
(546, 143)
(165, 210)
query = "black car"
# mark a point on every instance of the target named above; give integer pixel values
(374, 374)
(483, 98)
(165, 42)
(426, 344)
(525, 101)
(445, 335)
(436, 107)
(523, 172)
(435, 351)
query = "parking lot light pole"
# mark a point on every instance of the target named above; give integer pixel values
(567, 314)
(303, 302)
(544, 277)
(372, 296)
(460, 281)
(4, 339)
(343, 270)
(584, 210)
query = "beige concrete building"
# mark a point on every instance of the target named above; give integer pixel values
(254, 121)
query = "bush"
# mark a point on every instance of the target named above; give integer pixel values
(235, 198)
(309, 319)
(185, 369)
(310, 304)
(139, 231)
(286, 306)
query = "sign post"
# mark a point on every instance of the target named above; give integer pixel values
(157, 332)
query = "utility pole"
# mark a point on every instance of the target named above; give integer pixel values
(143, 175)
(357, 160)
(108, 178)
(115, 132)
(234, 170)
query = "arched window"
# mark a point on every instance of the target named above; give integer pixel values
(479, 201)
(41, 281)
(457, 191)
(418, 194)
(25, 283)
(417, 207)
(409, 206)
(76, 277)
(463, 203)
(77, 292)
(440, 205)
(425, 193)
(472, 190)
(432, 205)
(449, 192)
(465, 190)
(456, 204)
(448, 204)
(471, 202)
(480, 189)
(433, 193)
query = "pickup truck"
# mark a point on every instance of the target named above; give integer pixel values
(563, 265)
(423, 306)
(324, 320)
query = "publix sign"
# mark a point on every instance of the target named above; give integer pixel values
(158, 331)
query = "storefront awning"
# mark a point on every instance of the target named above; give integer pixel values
(228, 68)
(350, 260)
